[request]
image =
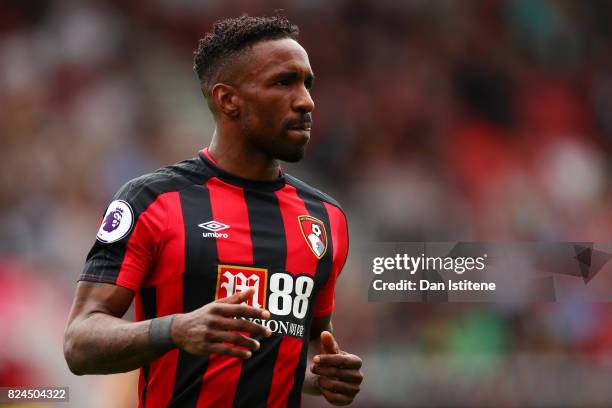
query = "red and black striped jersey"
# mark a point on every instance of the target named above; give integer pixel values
(191, 233)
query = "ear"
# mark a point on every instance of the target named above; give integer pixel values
(226, 99)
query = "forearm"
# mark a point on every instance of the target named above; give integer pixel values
(104, 344)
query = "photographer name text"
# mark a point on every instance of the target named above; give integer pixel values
(412, 264)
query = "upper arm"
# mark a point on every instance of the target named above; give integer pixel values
(124, 252)
(129, 237)
(92, 297)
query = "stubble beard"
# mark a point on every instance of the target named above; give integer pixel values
(277, 148)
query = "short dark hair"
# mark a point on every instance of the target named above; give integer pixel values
(230, 36)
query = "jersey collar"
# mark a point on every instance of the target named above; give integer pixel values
(229, 178)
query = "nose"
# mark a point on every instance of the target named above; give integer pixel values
(303, 101)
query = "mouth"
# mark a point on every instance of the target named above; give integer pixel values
(306, 127)
(299, 134)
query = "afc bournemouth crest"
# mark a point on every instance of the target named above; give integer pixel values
(314, 233)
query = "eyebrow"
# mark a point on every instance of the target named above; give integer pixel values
(293, 75)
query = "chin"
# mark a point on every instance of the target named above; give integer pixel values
(292, 155)
(290, 151)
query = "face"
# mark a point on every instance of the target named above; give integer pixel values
(275, 114)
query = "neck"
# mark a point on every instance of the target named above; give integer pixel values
(233, 156)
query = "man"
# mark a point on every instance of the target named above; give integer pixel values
(232, 264)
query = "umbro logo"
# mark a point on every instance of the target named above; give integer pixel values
(214, 227)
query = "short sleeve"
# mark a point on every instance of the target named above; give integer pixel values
(128, 238)
(324, 304)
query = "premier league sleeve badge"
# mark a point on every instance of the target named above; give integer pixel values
(117, 222)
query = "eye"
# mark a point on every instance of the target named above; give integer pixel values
(309, 82)
(282, 82)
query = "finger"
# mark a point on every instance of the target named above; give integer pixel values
(338, 360)
(328, 343)
(336, 398)
(339, 387)
(239, 297)
(241, 310)
(241, 326)
(352, 376)
(236, 339)
(226, 349)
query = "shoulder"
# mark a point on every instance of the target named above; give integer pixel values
(145, 189)
(311, 192)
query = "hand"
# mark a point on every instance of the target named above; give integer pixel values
(213, 328)
(339, 372)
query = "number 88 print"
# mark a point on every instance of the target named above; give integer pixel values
(287, 297)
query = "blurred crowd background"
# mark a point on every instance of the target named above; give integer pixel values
(435, 121)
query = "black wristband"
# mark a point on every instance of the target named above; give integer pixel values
(159, 334)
